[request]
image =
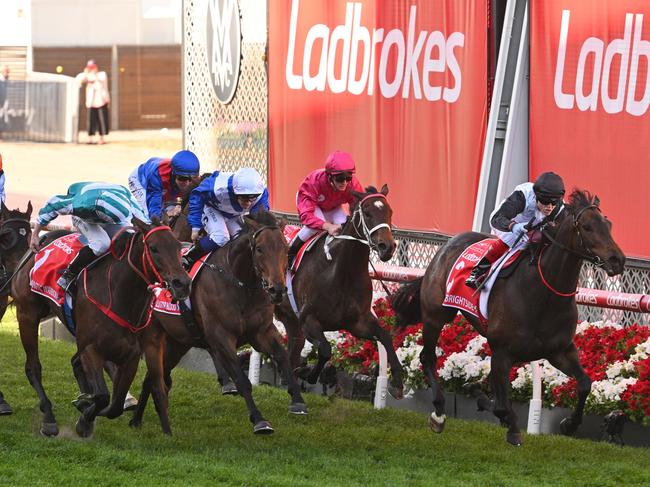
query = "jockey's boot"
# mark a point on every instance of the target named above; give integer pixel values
(188, 318)
(83, 258)
(296, 243)
(480, 270)
(194, 254)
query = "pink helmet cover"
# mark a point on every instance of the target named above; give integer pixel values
(339, 161)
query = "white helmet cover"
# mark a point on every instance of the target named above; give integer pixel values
(247, 181)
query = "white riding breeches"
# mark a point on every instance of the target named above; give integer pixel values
(98, 235)
(337, 216)
(138, 191)
(219, 227)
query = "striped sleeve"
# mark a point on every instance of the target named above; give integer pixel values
(136, 210)
(55, 206)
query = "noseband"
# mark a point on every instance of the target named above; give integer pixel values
(253, 244)
(359, 220)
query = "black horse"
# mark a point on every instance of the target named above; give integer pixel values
(532, 314)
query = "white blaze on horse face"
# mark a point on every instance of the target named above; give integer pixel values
(379, 204)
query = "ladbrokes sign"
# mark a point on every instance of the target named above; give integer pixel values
(401, 85)
(590, 104)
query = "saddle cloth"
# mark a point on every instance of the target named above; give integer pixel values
(458, 295)
(163, 301)
(290, 231)
(49, 264)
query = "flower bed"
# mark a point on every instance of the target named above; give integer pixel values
(616, 358)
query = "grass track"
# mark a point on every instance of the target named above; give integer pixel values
(339, 443)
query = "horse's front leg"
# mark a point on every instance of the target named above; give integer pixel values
(91, 404)
(500, 381)
(122, 380)
(295, 336)
(314, 333)
(568, 362)
(5, 408)
(28, 326)
(228, 387)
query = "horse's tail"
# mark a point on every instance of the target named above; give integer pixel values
(406, 303)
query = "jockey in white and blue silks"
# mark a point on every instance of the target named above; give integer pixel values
(158, 182)
(99, 211)
(216, 205)
(529, 201)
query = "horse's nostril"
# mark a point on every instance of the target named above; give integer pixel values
(178, 284)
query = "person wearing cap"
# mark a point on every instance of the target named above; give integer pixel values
(541, 200)
(321, 197)
(97, 100)
(99, 211)
(2, 182)
(159, 182)
(216, 205)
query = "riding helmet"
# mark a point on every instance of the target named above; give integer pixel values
(247, 181)
(549, 185)
(185, 163)
(338, 162)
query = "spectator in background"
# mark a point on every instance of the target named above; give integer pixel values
(4, 75)
(2, 181)
(97, 100)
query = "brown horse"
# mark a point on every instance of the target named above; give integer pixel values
(15, 233)
(233, 299)
(114, 289)
(333, 290)
(523, 326)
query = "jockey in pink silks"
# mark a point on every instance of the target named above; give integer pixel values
(321, 197)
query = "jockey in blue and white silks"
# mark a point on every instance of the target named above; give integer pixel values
(528, 201)
(159, 182)
(99, 211)
(216, 205)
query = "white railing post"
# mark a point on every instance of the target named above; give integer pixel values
(535, 407)
(254, 365)
(382, 379)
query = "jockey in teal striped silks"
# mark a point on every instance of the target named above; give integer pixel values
(98, 210)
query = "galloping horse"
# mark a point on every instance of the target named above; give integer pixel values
(333, 290)
(531, 315)
(113, 290)
(15, 233)
(233, 299)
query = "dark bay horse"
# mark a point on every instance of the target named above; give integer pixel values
(15, 234)
(114, 289)
(233, 298)
(532, 313)
(334, 293)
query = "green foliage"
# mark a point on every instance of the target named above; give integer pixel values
(340, 442)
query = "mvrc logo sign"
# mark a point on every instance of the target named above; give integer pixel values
(224, 47)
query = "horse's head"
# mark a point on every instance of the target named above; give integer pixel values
(372, 220)
(15, 231)
(162, 257)
(269, 252)
(592, 233)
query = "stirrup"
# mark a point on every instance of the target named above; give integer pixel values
(474, 282)
(66, 280)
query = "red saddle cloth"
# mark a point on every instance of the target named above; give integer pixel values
(163, 301)
(49, 264)
(290, 231)
(458, 294)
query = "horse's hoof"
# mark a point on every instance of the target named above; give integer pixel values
(229, 389)
(514, 439)
(263, 428)
(83, 401)
(437, 423)
(5, 409)
(84, 428)
(298, 408)
(567, 427)
(396, 392)
(49, 429)
(135, 423)
(130, 403)
(302, 372)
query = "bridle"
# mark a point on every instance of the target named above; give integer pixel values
(147, 260)
(360, 226)
(253, 244)
(24, 226)
(584, 253)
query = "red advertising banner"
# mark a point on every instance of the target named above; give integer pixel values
(589, 106)
(401, 85)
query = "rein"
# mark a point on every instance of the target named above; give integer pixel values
(258, 271)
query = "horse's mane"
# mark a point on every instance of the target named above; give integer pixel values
(16, 213)
(580, 199)
(262, 217)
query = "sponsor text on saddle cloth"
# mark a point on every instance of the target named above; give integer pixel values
(460, 296)
(49, 264)
(163, 299)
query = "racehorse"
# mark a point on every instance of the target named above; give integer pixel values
(120, 279)
(531, 315)
(15, 233)
(233, 299)
(333, 290)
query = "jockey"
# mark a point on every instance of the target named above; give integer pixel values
(321, 196)
(541, 200)
(99, 211)
(216, 205)
(158, 181)
(2, 182)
